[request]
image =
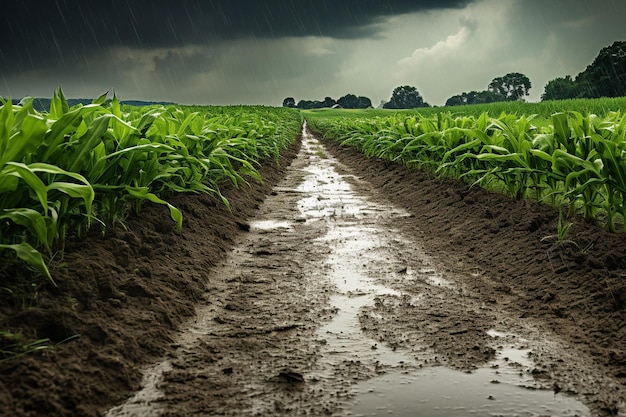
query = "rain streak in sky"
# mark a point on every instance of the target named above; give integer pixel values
(259, 52)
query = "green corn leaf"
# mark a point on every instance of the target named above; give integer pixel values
(31, 256)
(80, 191)
(26, 174)
(32, 220)
(88, 141)
(185, 124)
(7, 119)
(65, 125)
(457, 150)
(116, 107)
(100, 99)
(58, 105)
(83, 191)
(562, 131)
(143, 193)
(24, 141)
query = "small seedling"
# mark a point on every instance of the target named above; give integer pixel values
(560, 239)
(12, 345)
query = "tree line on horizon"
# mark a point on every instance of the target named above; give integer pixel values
(403, 97)
(349, 101)
(604, 77)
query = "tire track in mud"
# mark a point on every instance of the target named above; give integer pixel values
(325, 291)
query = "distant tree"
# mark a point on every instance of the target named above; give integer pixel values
(606, 76)
(363, 102)
(306, 104)
(457, 100)
(289, 102)
(489, 97)
(329, 102)
(475, 97)
(561, 89)
(349, 101)
(405, 97)
(315, 104)
(514, 86)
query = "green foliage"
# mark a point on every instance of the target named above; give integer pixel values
(542, 111)
(573, 159)
(561, 89)
(475, 97)
(289, 102)
(604, 77)
(510, 87)
(513, 86)
(349, 101)
(405, 97)
(63, 169)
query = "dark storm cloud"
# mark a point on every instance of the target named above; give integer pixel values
(258, 52)
(35, 32)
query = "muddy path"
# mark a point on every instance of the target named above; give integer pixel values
(333, 303)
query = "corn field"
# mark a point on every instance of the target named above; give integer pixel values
(574, 161)
(68, 170)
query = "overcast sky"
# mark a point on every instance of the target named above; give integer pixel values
(259, 52)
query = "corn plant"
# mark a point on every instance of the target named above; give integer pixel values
(63, 170)
(577, 159)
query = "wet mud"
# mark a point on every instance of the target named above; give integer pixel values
(359, 288)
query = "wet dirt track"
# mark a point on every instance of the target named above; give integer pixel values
(330, 304)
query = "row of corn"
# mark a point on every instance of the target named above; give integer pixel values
(571, 160)
(70, 169)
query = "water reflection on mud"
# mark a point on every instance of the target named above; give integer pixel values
(358, 248)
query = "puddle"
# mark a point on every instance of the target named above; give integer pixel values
(442, 392)
(358, 246)
(504, 388)
(270, 225)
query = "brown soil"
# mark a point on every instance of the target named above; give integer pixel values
(121, 301)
